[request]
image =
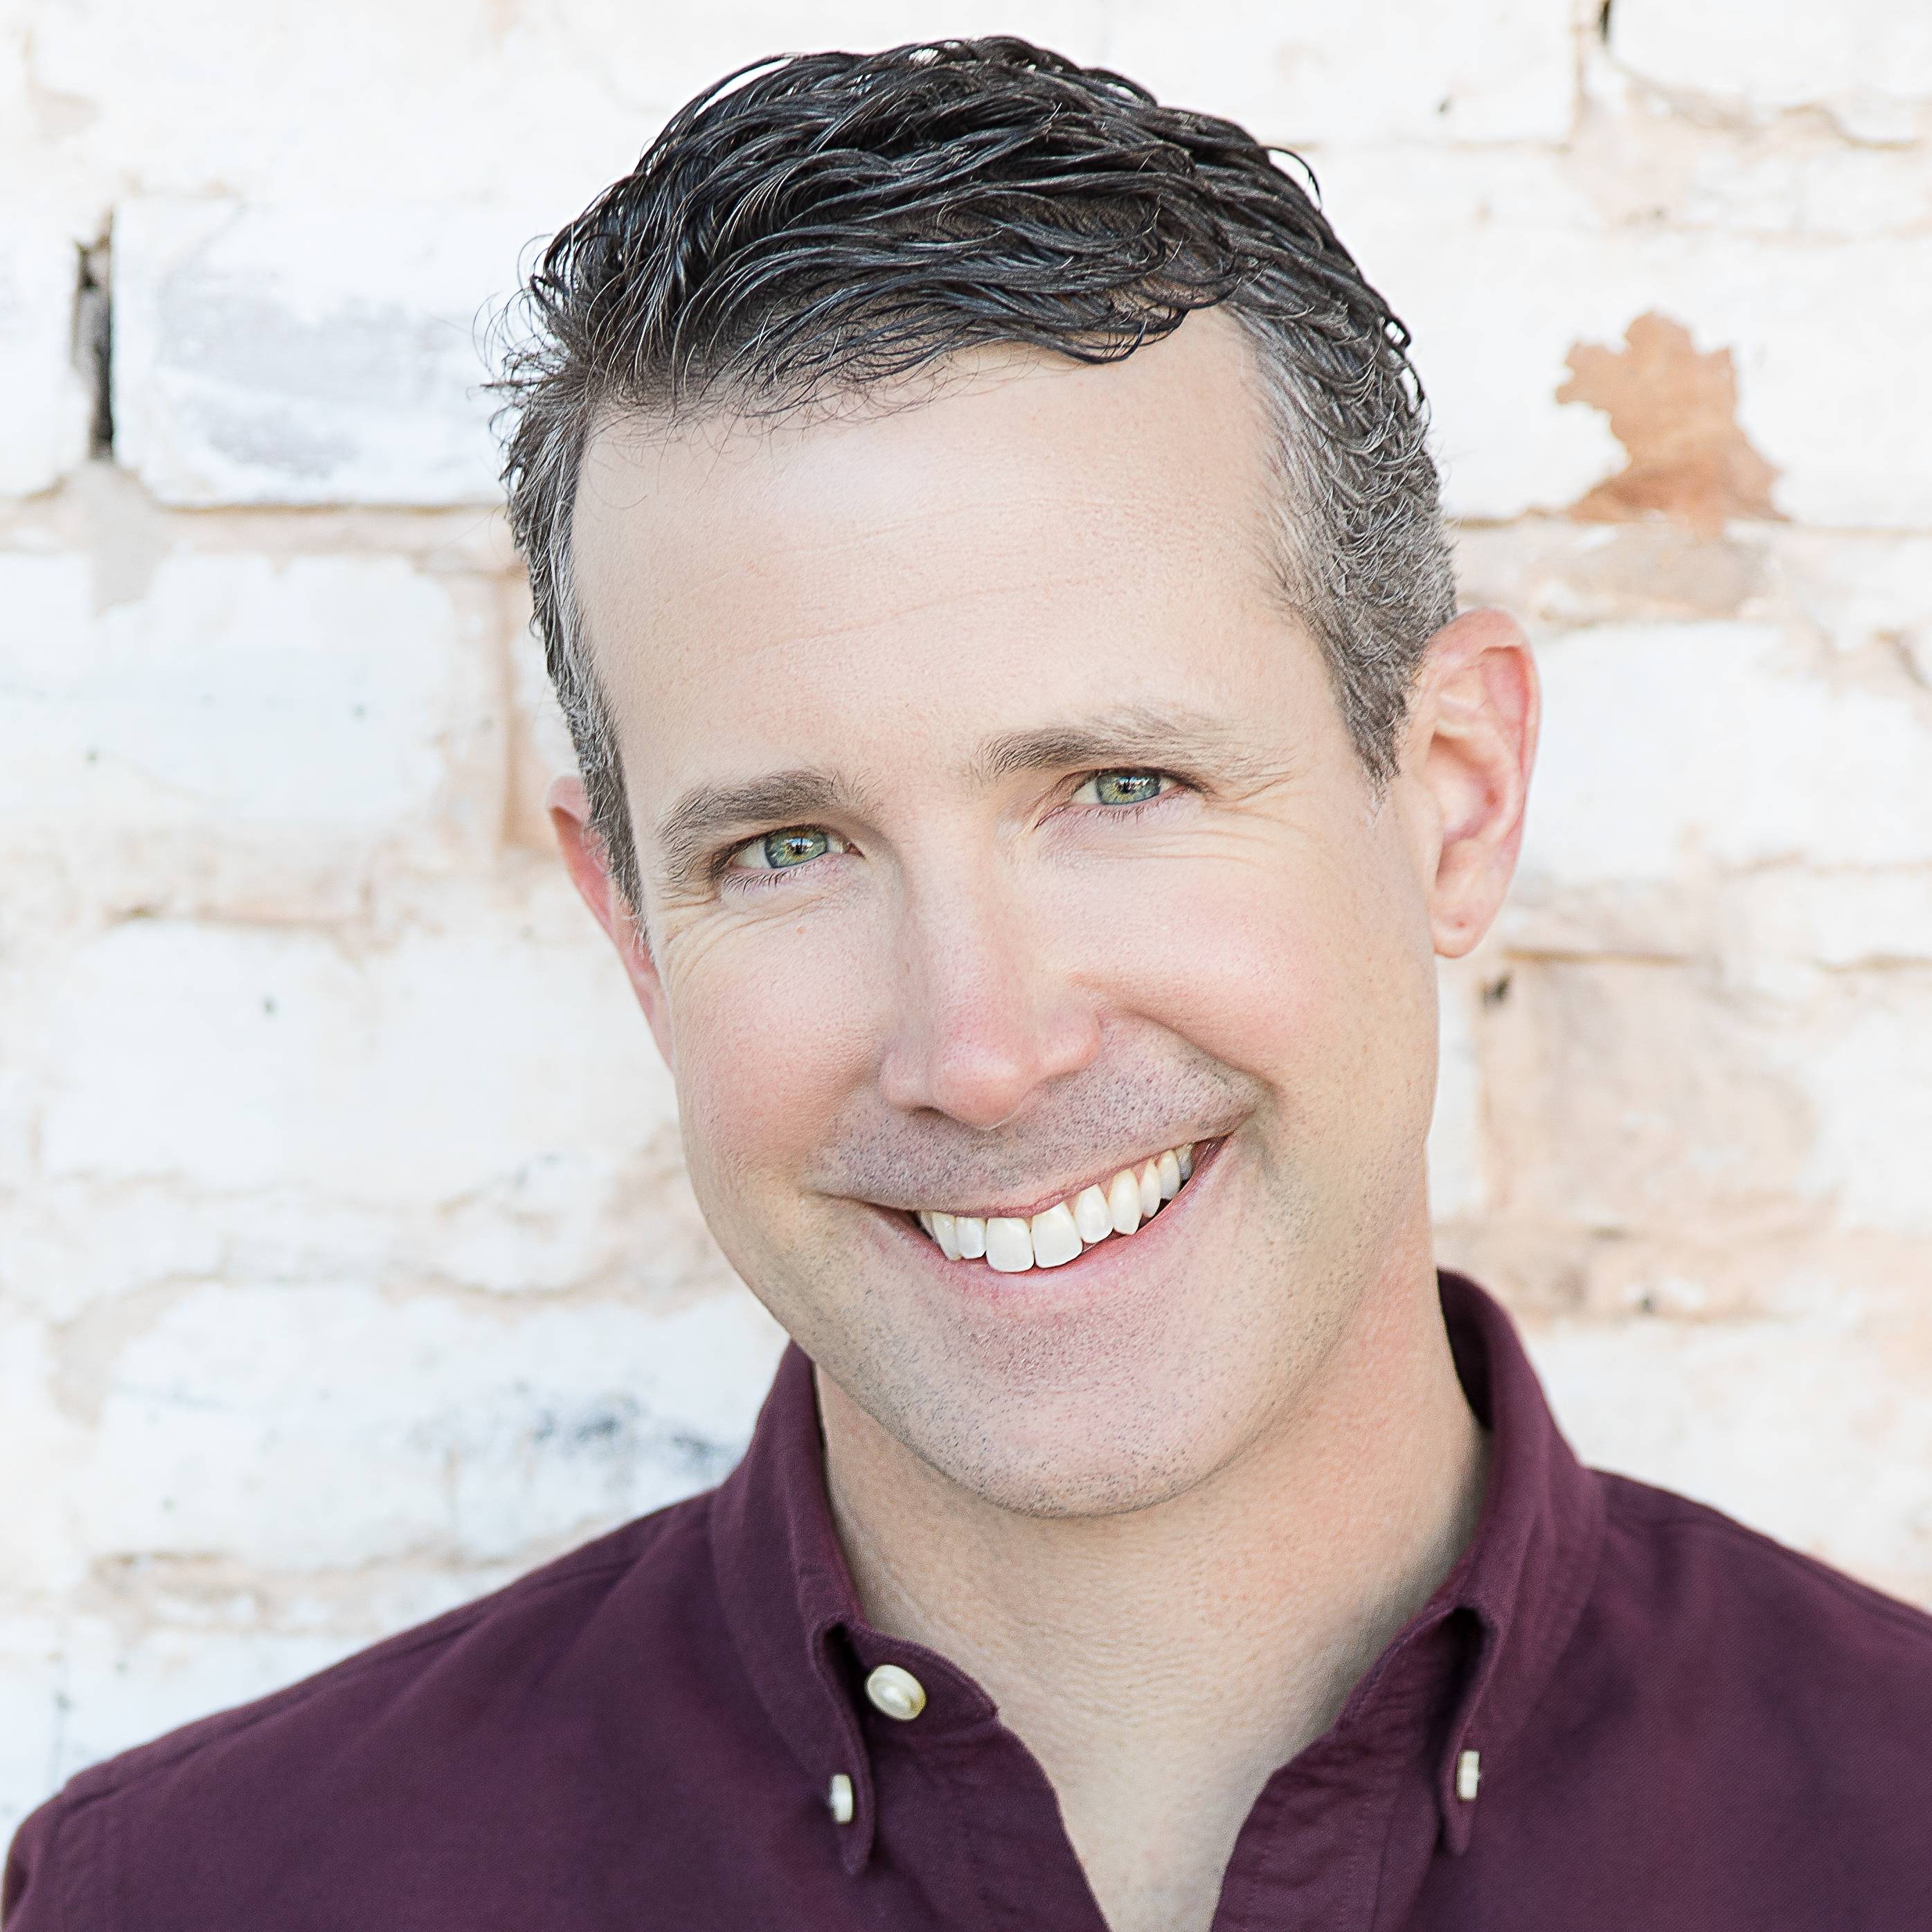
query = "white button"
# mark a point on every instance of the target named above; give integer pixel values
(897, 1693)
(1468, 1774)
(840, 1798)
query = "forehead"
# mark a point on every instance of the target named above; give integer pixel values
(980, 550)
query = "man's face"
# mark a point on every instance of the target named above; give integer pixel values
(1080, 866)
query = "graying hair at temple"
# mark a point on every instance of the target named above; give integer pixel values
(811, 227)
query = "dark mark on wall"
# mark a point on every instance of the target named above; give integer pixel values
(94, 341)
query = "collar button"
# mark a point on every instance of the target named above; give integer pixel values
(897, 1693)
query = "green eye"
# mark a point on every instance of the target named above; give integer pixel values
(793, 848)
(1121, 788)
(785, 851)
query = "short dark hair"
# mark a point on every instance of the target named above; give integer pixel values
(810, 226)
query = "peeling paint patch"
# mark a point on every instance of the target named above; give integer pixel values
(1674, 412)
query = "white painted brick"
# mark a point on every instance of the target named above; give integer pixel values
(1500, 266)
(1863, 1066)
(1467, 70)
(1828, 404)
(1868, 63)
(659, 70)
(621, 1211)
(48, 404)
(1643, 1098)
(421, 1072)
(310, 354)
(330, 1426)
(1800, 182)
(563, 1218)
(1835, 919)
(577, 1184)
(1671, 749)
(73, 1248)
(1818, 1431)
(458, 99)
(1553, 573)
(41, 1446)
(19, 1130)
(31, 1714)
(248, 738)
(1863, 593)
(1685, 1106)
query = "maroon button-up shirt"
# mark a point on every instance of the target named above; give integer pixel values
(1678, 1724)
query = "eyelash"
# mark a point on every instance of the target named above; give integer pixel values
(748, 879)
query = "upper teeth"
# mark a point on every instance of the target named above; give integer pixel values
(1058, 1233)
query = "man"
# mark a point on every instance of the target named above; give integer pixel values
(982, 529)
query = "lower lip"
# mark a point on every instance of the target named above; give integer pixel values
(1095, 1267)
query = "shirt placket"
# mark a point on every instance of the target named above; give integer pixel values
(1308, 1855)
(1314, 1851)
(967, 1830)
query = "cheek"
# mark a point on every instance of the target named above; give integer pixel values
(1312, 976)
(771, 1033)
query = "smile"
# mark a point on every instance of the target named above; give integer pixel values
(1121, 1207)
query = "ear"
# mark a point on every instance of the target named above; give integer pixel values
(588, 863)
(1468, 751)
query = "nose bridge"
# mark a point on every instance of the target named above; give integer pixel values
(984, 1016)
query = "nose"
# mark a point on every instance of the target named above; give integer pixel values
(984, 1017)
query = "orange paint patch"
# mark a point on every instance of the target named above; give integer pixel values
(1674, 412)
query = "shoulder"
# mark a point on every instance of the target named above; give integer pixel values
(1699, 1568)
(393, 1724)
(475, 1651)
(1752, 1653)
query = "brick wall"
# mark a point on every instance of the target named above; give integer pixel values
(348, 1267)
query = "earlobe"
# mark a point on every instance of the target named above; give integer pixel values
(587, 860)
(1471, 746)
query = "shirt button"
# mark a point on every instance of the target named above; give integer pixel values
(1468, 1775)
(897, 1693)
(839, 1798)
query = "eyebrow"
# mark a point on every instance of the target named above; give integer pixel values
(689, 832)
(1189, 743)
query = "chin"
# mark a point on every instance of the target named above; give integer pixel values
(1099, 1450)
(1083, 1485)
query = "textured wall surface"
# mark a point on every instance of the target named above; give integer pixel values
(347, 1264)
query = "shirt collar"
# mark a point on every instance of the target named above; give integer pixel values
(789, 1601)
(787, 1596)
(1532, 1561)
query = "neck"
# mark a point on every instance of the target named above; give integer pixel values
(1215, 1633)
